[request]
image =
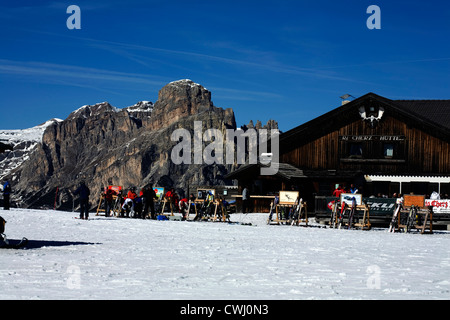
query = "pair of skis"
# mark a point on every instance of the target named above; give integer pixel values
(338, 221)
(272, 208)
(297, 213)
(12, 244)
(334, 215)
(395, 217)
(352, 213)
(410, 222)
(9, 244)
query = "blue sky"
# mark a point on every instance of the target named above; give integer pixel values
(283, 60)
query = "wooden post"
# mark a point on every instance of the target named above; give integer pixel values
(56, 196)
(99, 205)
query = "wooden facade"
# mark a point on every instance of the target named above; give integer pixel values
(399, 142)
(371, 135)
(392, 147)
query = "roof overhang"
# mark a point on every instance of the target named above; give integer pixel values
(407, 178)
(285, 171)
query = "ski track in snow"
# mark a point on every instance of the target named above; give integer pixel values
(113, 258)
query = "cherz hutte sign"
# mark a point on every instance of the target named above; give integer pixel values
(361, 138)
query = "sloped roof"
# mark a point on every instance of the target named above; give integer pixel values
(430, 115)
(285, 171)
(437, 111)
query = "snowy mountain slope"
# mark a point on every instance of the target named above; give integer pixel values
(142, 106)
(112, 258)
(23, 142)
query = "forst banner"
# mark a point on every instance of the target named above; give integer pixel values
(378, 206)
(383, 206)
(439, 206)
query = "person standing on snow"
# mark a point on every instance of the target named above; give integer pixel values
(245, 200)
(84, 193)
(109, 197)
(149, 196)
(6, 195)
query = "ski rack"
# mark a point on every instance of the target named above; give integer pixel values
(365, 224)
(220, 212)
(118, 192)
(414, 208)
(300, 211)
(171, 203)
(113, 210)
(190, 205)
(100, 202)
(117, 205)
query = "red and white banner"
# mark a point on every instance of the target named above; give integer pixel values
(439, 206)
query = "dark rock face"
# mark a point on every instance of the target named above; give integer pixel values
(103, 145)
(4, 147)
(178, 100)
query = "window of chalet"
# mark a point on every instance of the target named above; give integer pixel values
(388, 150)
(355, 150)
(373, 150)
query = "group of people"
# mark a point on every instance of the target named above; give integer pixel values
(131, 203)
(342, 189)
(138, 205)
(142, 205)
(179, 204)
(203, 209)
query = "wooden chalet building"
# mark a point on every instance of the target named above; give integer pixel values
(381, 146)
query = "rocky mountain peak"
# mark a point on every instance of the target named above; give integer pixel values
(271, 124)
(184, 82)
(180, 99)
(141, 106)
(104, 145)
(87, 111)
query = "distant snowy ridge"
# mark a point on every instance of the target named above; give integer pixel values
(142, 106)
(185, 82)
(23, 142)
(92, 110)
(33, 134)
(102, 107)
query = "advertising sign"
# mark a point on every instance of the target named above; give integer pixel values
(288, 197)
(381, 205)
(348, 198)
(439, 206)
(159, 192)
(378, 206)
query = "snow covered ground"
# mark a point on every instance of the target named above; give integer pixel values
(113, 258)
